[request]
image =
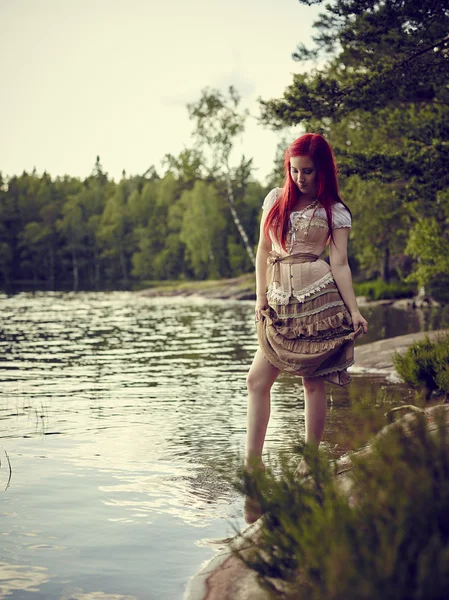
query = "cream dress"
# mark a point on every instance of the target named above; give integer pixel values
(307, 329)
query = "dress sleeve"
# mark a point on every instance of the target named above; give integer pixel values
(341, 217)
(270, 199)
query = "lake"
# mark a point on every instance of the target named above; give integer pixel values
(120, 418)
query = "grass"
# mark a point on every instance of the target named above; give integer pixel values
(380, 290)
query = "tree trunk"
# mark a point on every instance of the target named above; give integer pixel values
(51, 266)
(123, 265)
(75, 270)
(386, 265)
(96, 269)
(238, 223)
(5, 275)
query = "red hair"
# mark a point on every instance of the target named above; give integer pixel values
(318, 150)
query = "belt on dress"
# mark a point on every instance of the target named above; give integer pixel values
(274, 260)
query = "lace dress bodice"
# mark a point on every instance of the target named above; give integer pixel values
(308, 233)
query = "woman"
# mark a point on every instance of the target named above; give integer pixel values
(306, 311)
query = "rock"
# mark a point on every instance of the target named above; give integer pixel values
(379, 355)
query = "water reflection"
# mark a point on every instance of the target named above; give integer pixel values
(122, 417)
(78, 594)
(387, 321)
(20, 578)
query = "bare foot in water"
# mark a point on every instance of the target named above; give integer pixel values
(251, 508)
(252, 467)
(303, 469)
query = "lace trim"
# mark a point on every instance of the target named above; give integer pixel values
(303, 222)
(324, 331)
(303, 346)
(314, 311)
(314, 287)
(335, 369)
(277, 296)
(321, 292)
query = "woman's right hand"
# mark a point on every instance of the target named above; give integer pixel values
(261, 304)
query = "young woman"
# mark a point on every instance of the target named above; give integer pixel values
(306, 311)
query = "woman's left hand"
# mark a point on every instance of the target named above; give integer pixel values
(358, 320)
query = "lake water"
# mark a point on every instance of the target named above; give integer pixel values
(120, 417)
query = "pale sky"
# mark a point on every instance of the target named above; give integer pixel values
(82, 78)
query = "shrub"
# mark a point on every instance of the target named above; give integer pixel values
(392, 542)
(438, 289)
(426, 365)
(380, 290)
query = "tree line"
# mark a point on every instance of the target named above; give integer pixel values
(97, 234)
(198, 219)
(381, 98)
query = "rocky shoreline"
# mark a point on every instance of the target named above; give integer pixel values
(378, 356)
(242, 288)
(225, 577)
(238, 288)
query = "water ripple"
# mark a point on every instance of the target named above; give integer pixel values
(122, 417)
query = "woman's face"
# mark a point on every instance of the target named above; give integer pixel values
(303, 173)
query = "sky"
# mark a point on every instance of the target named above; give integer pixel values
(82, 78)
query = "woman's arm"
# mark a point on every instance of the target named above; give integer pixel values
(338, 254)
(263, 248)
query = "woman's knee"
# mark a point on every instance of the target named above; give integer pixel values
(313, 385)
(257, 384)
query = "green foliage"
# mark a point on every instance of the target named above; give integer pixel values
(428, 243)
(426, 365)
(438, 288)
(380, 220)
(388, 539)
(381, 98)
(6, 257)
(218, 120)
(67, 233)
(380, 290)
(388, 52)
(202, 229)
(238, 259)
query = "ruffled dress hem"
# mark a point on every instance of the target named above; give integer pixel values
(314, 338)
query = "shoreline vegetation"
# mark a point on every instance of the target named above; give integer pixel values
(387, 499)
(243, 288)
(394, 478)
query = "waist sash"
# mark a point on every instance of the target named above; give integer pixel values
(274, 260)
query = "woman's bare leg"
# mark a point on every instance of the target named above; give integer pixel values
(315, 409)
(261, 377)
(315, 415)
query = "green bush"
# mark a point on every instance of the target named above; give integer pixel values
(380, 290)
(439, 289)
(390, 540)
(426, 365)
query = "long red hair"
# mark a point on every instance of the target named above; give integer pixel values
(317, 148)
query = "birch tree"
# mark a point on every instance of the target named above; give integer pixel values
(218, 121)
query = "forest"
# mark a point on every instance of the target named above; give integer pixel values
(375, 83)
